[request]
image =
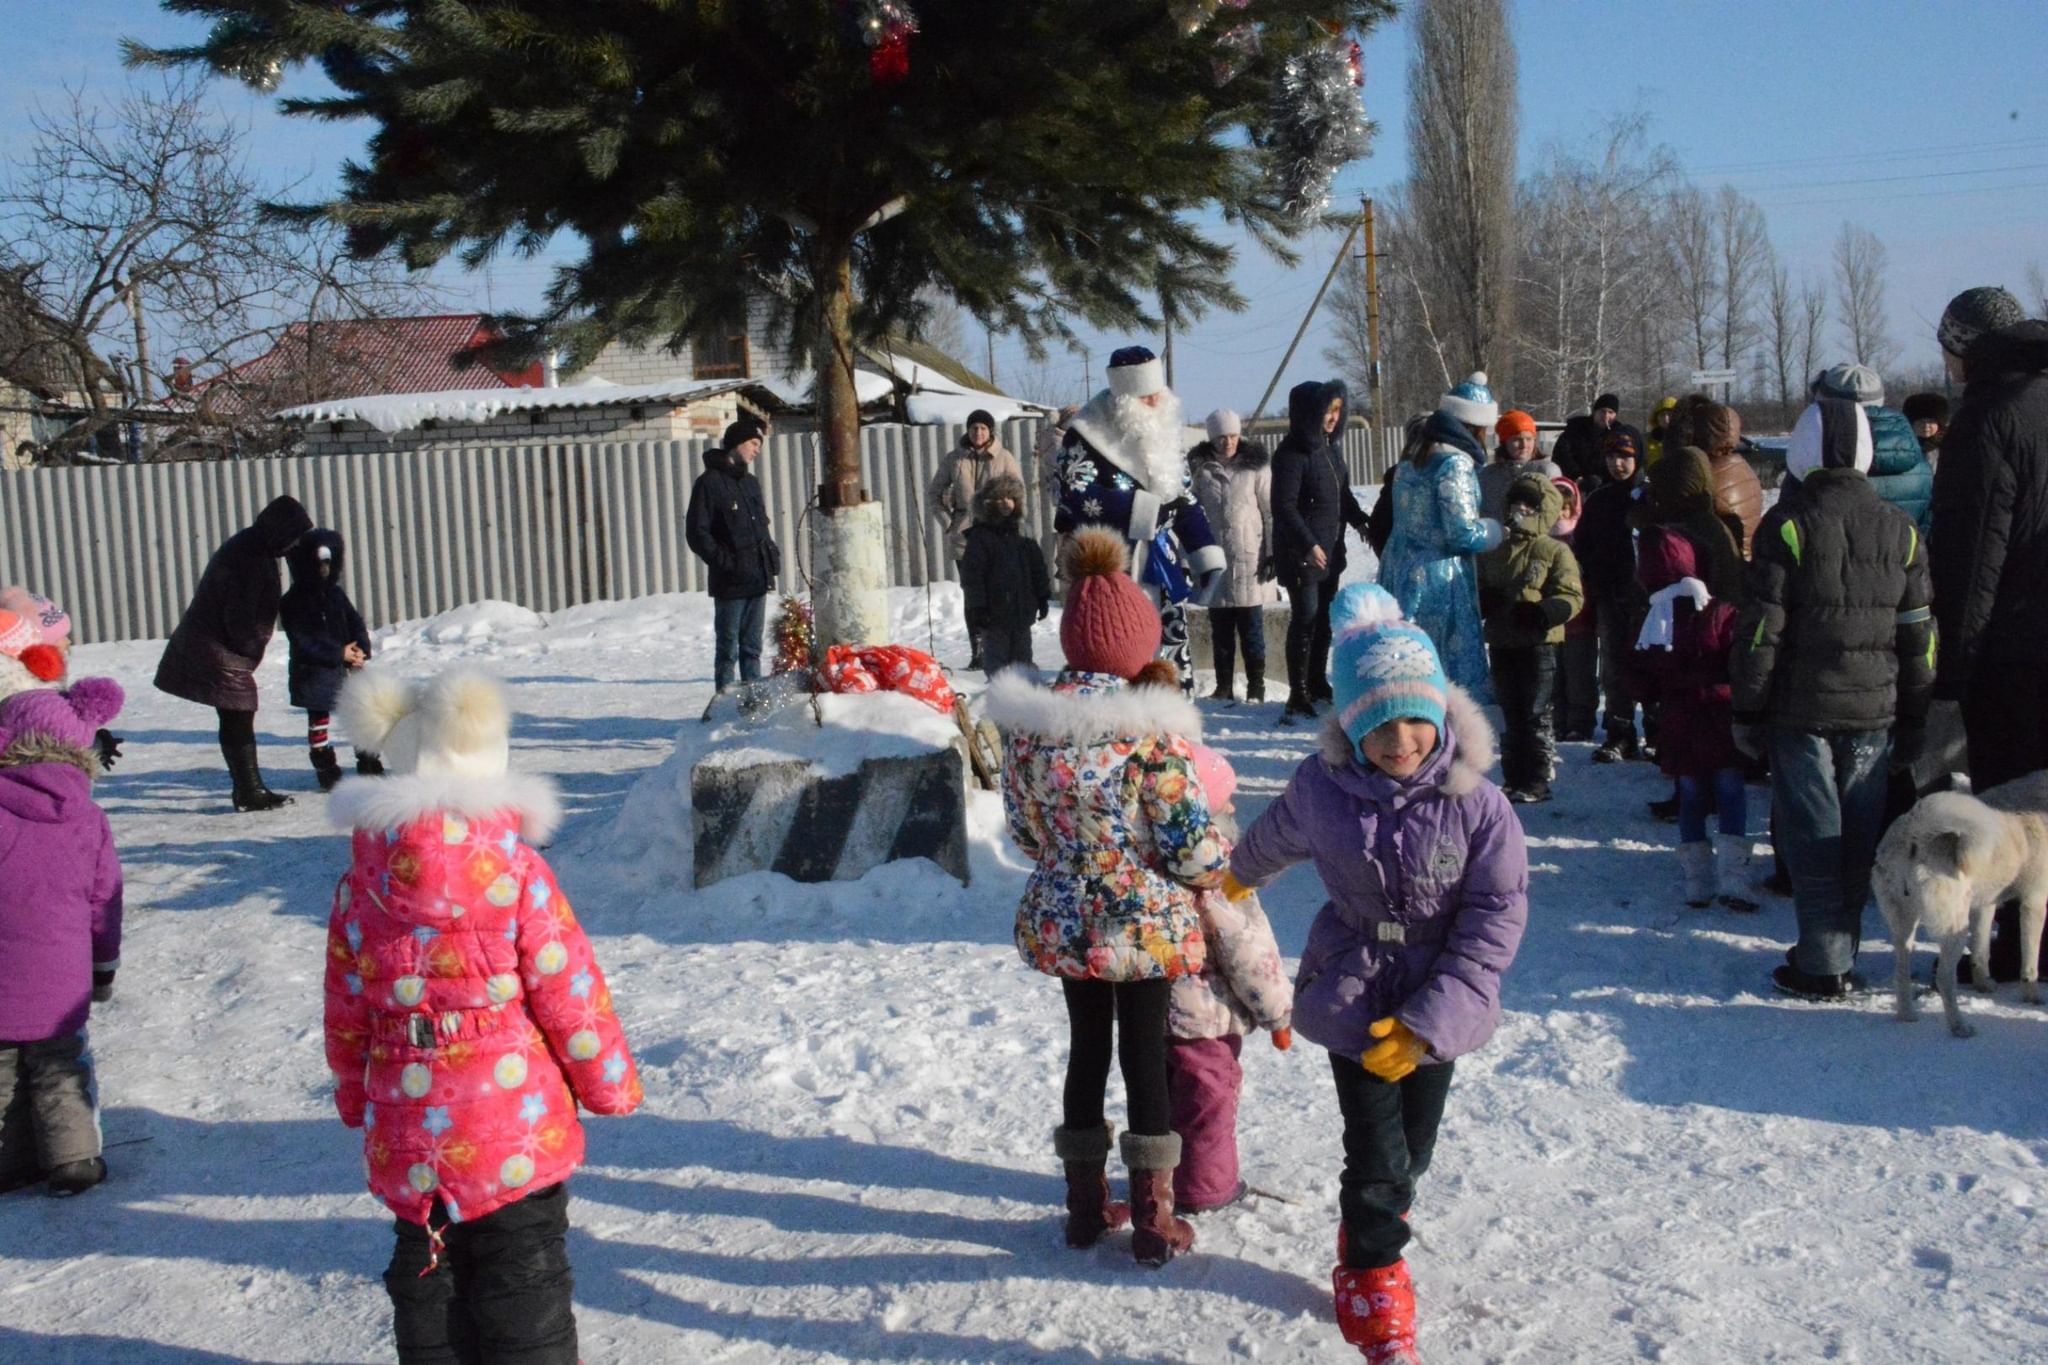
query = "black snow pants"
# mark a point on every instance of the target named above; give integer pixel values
(501, 1294)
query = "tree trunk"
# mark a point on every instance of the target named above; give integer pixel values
(849, 554)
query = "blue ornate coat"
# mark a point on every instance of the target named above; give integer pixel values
(1430, 565)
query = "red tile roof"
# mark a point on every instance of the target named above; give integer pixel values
(349, 359)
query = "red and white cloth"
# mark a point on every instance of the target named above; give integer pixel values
(887, 668)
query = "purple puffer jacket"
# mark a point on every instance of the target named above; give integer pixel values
(1423, 926)
(61, 915)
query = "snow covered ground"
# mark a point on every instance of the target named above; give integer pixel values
(844, 1153)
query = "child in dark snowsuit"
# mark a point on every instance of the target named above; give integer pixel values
(1428, 878)
(328, 639)
(60, 933)
(1528, 590)
(1003, 576)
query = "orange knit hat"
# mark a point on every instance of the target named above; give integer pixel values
(1108, 624)
(1514, 423)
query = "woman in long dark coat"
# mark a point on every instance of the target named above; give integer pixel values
(213, 654)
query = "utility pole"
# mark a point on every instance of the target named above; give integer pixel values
(1314, 303)
(1167, 358)
(990, 333)
(1372, 319)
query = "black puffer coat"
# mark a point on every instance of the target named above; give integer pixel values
(727, 528)
(1312, 498)
(1991, 511)
(211, 657)
(319, 622)
(1002, 572)
(1835, 635)
(1605, 541)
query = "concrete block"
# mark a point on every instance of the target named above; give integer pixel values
(1275, 616)
(782, 815)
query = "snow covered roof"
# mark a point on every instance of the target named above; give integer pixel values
(795, 387)
(392, 412)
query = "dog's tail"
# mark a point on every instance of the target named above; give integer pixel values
(1957, 834)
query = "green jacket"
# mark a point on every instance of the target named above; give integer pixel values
(1530, 565)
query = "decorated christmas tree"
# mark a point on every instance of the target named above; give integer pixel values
(1041, 161)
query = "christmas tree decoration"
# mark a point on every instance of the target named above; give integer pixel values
(1235, 50)
(1317, 125)
(885, 27)
(251, 58)
(794, 639)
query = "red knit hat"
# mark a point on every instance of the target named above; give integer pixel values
(1109, 625)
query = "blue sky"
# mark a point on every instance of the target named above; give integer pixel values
(1926, 122)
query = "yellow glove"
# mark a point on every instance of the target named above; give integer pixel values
(1233, 889)
(1400, 1053)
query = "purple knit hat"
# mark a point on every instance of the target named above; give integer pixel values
(69, 717)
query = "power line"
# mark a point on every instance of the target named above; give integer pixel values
(1897, 154)
(1905, 194)
(1891, 179)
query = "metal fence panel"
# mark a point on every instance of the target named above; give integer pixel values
(545, 526)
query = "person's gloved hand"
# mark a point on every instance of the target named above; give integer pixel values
(1399, 1052)
(1207, 584)
(1283, 1038)
(1750, 739)
(102, 987)
(107, 745)
(1528, 616)
(1233, 889)
(1266, 573)
(1908, 743)
(1043, 608)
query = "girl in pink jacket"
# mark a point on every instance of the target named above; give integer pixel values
(466, 1020)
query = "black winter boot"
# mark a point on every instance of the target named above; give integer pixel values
(250, 793)
(1091, 1213)
(1254, 680)
(76, 1177)
(1299, 708)
(326, 769)
(369, 765)
(1156, 1235)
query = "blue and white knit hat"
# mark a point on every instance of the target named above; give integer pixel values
(1470, 402)
(1382, 667)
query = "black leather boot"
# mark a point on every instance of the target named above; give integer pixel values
(250, 793)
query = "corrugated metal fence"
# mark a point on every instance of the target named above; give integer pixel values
(545, 526)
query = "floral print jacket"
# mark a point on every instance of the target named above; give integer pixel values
(466, 1016)
(1100, 790)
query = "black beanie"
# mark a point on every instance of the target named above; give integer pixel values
(983, 416)
(739, 433)
(1608, 401)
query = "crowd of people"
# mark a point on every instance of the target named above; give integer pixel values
(1638, 583)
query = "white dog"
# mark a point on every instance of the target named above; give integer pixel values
(1947, 864)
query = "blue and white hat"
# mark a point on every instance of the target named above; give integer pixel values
(1470, 402)
(1382, 667)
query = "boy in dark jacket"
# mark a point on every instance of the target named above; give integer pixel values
(328, 639)
(1312, 504)
(1832, 671)
(1605, 547)
(1003, 576)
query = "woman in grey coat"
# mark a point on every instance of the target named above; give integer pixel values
(1233, 480)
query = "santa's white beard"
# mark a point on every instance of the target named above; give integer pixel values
(1154, 435)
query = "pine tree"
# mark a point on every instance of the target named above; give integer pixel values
(1039, 160)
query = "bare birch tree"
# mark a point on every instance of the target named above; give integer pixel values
(1461, 142)
(1813, 327)
(1860, 266)
(1781, 326)
(1745, 258)
(1695, 264)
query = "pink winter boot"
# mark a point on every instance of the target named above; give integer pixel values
(1376, 1312)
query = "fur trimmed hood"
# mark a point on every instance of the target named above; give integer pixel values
(1074, 716)
(1471, 746)
(27, 750)
(1250, 456)
(998, 486)
(377, 803)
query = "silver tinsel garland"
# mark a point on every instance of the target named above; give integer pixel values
(1317, 126)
